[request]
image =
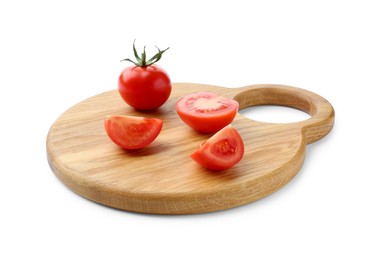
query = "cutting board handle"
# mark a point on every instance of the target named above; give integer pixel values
(321, 111)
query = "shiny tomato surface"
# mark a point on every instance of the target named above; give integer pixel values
(221, 151)
(130, 132)
(206, 112)
(144, 88)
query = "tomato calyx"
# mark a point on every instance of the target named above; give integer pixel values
(141, 61)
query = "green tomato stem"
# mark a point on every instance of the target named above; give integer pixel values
(142, 62)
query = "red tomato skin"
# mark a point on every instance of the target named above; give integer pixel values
(207, 122)
(207, 125)
(209, 157)
(118, 128)
(144, 88)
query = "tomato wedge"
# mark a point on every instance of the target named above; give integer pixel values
(221, 151)
(130, 132)
(206, 112)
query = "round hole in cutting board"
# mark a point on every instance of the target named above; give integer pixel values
(274, 114)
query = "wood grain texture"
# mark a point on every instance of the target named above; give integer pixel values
(161, 178)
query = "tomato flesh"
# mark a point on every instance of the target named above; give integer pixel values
(144, 88)
(221, 151)
(131, 132)
(206, 112)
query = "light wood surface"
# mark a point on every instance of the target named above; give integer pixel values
(162, 178)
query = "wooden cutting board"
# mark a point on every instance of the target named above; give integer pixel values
(161, 178)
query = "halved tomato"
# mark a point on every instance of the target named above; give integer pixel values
(221, 151)
(206, 112)
(130, 132)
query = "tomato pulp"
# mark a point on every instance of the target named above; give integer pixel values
(130, 132)
(206, 112)
(221, 151)
(144, 88)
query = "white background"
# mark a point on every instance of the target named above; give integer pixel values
(54, 54)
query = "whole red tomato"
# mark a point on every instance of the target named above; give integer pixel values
(144, 86)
